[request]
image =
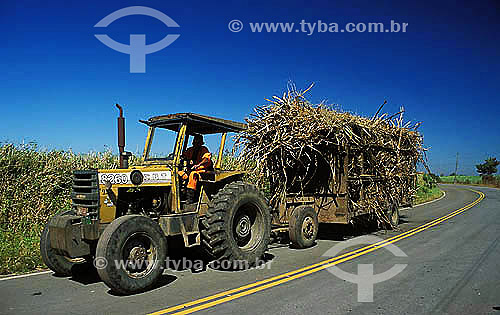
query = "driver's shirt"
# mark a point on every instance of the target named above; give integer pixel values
(202, 153)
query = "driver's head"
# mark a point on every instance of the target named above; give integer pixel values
(197, 140)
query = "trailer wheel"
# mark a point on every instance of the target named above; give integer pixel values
(131, 253)
(59, 264)
(394, 214)
(303, 227)
(237, 226)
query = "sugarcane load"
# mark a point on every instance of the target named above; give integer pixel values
(344, 164)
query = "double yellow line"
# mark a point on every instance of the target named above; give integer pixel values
(226, 296)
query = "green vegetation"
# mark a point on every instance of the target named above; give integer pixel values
(489, 167)
(35, 185)
(427, 188)
(486, 180)
(19, 250)
(461, 179)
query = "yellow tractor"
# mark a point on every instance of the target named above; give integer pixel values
(121, 218)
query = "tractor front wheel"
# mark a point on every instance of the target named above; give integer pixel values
(131, 254)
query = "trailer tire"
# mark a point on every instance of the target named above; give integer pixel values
(139, 245)
(59, 264)
(394, 214)
(303, 227)
(237, 226)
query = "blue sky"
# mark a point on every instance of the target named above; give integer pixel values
(59, 83)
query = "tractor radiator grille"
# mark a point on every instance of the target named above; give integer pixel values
(85, 193)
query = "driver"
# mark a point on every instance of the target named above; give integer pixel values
(200, 161)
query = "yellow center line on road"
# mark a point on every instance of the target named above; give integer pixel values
(226, 296)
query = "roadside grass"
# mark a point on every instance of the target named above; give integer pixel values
(427, 189)
(35, 185)
(425, 194)
(19, 251)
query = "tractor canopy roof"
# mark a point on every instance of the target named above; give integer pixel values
(196, 123)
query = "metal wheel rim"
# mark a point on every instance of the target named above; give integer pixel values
(243, 226)
(308, 228)
(252, 218)
(139, 255)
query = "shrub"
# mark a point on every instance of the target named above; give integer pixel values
(429, 180)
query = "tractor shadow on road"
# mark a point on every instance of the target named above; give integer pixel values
(239, 266)
(164, 280)
(87, 275)
(179, 259)
(403, 219)
(197, 261)
(342, 232)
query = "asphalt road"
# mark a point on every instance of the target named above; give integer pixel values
(451, 267)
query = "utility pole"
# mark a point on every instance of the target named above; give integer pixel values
(456, 170)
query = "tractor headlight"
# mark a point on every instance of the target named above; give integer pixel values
(136, 177)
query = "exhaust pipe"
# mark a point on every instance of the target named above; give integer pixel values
(121, 137)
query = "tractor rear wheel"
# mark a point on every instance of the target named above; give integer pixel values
(237, 227)
(303, 227)
(131, 254)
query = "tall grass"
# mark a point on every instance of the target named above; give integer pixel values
(34, 185)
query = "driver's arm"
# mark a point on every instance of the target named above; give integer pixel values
(205, 161)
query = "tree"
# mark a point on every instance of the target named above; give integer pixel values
(489, 167)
